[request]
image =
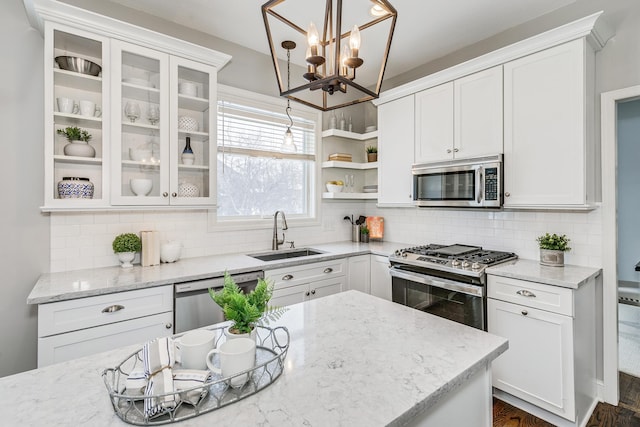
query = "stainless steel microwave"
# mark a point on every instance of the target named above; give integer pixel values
(468, 183)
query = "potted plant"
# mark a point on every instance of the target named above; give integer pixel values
(126, 245)
(552, 249)
(364, 234)
(372, 153)
(245, 310)
(78, 142)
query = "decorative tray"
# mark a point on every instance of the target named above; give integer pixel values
(271, 349)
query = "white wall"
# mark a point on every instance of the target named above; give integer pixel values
(628, 190)
(24, 253)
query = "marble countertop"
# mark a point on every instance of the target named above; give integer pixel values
(53, 287)
(353, 359)
(569, 276)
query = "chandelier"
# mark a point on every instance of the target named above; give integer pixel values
(346, 48)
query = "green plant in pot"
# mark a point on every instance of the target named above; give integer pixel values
(246, 310)
(552, 249)
(78, 142)
(125, 246)
(364, 234)
(372, 153)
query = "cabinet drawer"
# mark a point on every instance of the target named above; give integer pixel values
(72, 315)
(545, 297)
(63, 347)
(292, 276)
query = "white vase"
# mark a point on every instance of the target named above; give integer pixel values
(79, 149)
(230, 336)
(552, 258)
(126, 258)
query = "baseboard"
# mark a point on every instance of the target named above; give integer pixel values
(600, 390)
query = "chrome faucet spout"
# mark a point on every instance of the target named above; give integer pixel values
(275, 242)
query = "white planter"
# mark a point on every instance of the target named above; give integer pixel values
(230, 336)
(126, 258)
(552, 258)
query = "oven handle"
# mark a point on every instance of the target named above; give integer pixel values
(438, 282)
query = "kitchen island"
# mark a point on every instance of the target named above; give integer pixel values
(353, 360)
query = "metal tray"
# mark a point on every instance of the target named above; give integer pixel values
(271, 350)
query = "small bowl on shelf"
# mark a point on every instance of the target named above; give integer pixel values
(332, 187)
(141, 186)
(140, 154)
(78, 65)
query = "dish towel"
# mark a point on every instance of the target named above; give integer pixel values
(158, 359)
(183, 379)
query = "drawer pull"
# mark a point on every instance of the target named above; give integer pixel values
(113, 308)
(328, 270)
(287, 277)
(525, 312)
(168, 326)
(313, 292)
(526, 293)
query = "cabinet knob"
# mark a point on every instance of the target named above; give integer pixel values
(525, 312)
(328, 270)
(313, 292)
(168, 326)
(455, 150)
(526, 293)
(174, 194)
(507, 194)
(113, 308)
(165, 194)
(306, 293)
(449, 150)
(287, 277)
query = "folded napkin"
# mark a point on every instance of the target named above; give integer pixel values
(183, 379)
(158, 359)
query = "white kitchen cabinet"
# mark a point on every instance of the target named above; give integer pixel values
(308, 281)
(380, 277)
(395, 152)
(364, 173)
(460, 119)
(61, 40)
(359, 277)
(549, 151)
(152, 79)
(549, 369)
(75, 328)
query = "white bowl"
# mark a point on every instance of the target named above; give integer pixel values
(141, 186)
(170, 251)
(333, 188)
(139, 154)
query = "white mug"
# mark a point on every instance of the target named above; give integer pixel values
(235, 356)
(193, 347)
(87, 108)
(67, 105)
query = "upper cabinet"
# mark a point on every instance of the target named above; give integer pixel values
(145, 114)
(460, 119)
(549, 151)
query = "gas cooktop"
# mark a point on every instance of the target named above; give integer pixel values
(454, 258)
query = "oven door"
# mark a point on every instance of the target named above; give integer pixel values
(461, 302)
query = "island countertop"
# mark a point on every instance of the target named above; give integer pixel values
(353, 359)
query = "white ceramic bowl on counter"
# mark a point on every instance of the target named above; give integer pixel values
(170, 251)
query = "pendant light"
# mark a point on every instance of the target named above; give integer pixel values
(287, 143)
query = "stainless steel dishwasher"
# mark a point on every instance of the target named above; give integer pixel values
(194, 308)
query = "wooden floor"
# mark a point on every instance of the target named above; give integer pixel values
(626, 414)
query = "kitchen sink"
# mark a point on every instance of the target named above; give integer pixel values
(293, 253)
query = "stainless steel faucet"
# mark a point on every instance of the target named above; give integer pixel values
(276, 242)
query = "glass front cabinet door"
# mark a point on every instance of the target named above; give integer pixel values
(161, 126)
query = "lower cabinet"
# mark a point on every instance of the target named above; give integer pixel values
(80, 327)
(549, 368)
(359, 277)
(380, 277)
(305, 282)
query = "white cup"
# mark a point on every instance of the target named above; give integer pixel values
(87, 108)
(192, 348)
(67, 105)
(235, 356)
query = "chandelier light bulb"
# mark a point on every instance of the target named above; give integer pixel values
(354, 40)
(313, 39)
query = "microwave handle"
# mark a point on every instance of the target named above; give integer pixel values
(480, 186)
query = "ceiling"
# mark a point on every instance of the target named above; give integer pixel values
(425, 30)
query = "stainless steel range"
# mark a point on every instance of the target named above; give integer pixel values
(448, 281)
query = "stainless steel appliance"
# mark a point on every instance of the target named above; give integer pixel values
(194, 308)
(469, 183)
(447, 281)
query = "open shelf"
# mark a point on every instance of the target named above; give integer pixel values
(349, 165)
(60, 158)
(68, 119)
(77, 80)
(346, 196)
(350, 135)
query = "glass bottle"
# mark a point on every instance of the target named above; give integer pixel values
(187, 154)
(332, 120)
(350, 125)
(343, 123)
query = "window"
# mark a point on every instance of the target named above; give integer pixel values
(255, 177)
